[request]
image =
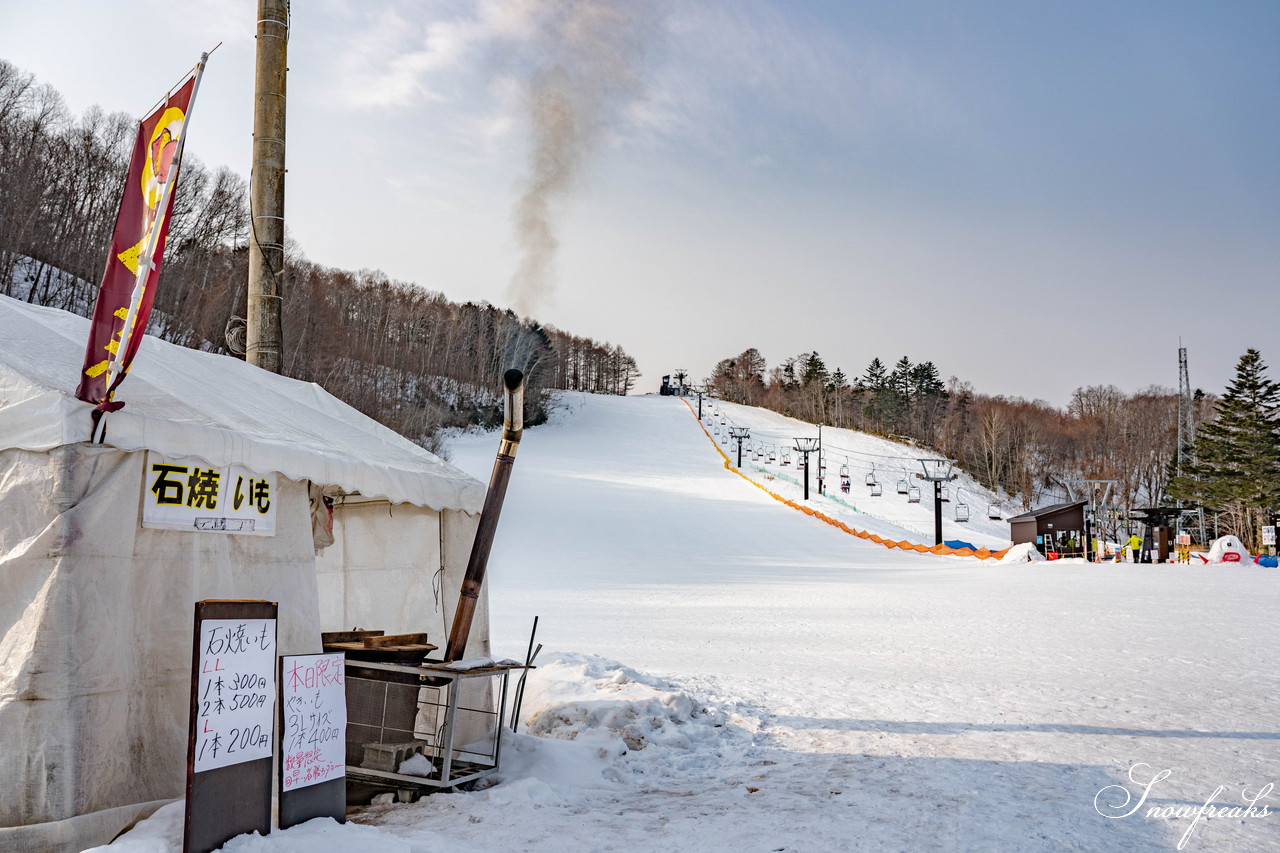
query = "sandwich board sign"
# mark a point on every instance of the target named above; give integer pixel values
(232, 723)
(313, 738)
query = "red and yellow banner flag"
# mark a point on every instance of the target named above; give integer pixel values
(137, 247)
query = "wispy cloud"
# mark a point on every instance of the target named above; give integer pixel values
(227, 21)
(397, 58)
(741, 73)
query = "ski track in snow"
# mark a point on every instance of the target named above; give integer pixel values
(723, 673)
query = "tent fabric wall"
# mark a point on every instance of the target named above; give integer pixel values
(392, 567)
(95, 637)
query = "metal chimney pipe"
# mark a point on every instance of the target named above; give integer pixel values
(512, 428)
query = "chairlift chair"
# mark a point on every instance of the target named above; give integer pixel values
(903, 487)
(993, 512)
(871, 477)
(913, 495)
(876, 490)
(786, 457)
(844, 471)
(962, 511)
(946, 495)
(844, 485)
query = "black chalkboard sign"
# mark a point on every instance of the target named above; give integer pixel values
(232, 730)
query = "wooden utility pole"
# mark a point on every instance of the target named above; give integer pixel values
(264, 345)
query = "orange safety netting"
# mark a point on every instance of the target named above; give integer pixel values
(981, 553)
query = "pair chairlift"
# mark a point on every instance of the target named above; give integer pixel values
(844, 477)
(912, 491)
(769, 453)
(961, 511)
(876, 489)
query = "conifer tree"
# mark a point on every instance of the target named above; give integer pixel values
(925, 381)
(876, 375)
(900, 378)
(1235, 459)
(814, 369)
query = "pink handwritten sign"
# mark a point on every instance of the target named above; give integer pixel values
(313, 742)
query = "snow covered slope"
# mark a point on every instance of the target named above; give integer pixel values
(723, 673)
(892, 464)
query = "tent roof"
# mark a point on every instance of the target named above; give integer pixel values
(186, 403)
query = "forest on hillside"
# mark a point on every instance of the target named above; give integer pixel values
(403, 354)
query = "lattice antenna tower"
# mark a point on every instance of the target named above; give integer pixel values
(1186, 418)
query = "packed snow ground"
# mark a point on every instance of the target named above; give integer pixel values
(724, 673)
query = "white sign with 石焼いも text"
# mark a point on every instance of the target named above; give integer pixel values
(194, 496)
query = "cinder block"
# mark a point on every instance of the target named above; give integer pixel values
(388, 756)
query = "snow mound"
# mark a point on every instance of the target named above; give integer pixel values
(1024, 553)
(160, 833)
(584, 697)
(1224, 545)
(641, 724)
(416, 765)
(321, 835)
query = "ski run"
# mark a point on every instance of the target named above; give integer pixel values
(724, 673)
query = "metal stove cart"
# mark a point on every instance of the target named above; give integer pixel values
(415, 728)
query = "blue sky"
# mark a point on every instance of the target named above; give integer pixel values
(1033, 195)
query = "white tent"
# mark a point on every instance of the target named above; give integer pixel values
(96, 610)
